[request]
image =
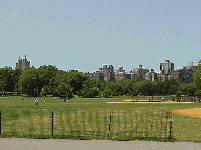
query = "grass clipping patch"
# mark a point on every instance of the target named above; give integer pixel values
(192, 112)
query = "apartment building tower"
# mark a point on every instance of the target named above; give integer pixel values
(23, 63)
(166, 67)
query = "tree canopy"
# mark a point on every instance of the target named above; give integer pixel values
(49, 80)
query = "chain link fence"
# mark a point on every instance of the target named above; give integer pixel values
(87, 124)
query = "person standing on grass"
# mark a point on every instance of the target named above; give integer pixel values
(44, 101)
(36, 102)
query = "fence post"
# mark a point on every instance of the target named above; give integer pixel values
(109, 125)
(52, 122)
(170, 122)
(166, 124)
(0, 122)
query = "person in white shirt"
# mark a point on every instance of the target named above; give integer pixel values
(36, 102)
(44, 101)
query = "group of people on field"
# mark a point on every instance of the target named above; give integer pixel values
(37, 101)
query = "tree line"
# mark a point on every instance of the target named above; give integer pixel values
(49, 80)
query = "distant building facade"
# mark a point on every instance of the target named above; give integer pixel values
(184, 75)
(189, 67)
(105, 73)
(23, 63)
(139, 73)
(167, 71)
(153, 76)
(119, 74)
(95, 75)
(166, 67)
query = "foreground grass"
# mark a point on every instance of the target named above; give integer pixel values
(90, 119)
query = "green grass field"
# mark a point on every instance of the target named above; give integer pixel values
(84, 118)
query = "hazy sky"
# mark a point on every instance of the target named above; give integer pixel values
(85, 34)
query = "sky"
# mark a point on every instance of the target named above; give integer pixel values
(85, 34)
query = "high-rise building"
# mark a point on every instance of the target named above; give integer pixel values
(139, 73)
(153, 76)
(183, 76)
(119, 74)
(23, 63)
(166, 67)
(105, 73)
(189, 67)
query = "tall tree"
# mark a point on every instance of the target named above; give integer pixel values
(197, 76)
(2, 91)
(7, 77)
(29, 81)
(146, 87)
(76, 80)
(55, 82)
(172, 85)
(137, 88)
(45, 74)
(101, 84)
(90, 88)
(64, 89)
(17, 73)
(116, 87)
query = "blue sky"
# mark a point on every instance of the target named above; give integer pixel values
(85, 34)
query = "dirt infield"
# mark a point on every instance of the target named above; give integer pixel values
(192, 112)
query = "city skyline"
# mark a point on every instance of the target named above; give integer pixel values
(85, 34)
(27, 63)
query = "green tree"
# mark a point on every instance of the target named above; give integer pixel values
(188, 89)
(137, 88)
(17, 74)
(159, 89)
(146, 87)
(47, 90)
(101, 84)
(45, 74)
(76, 80)
(172, 85)
(127, 86)
(2, 91)
(197, 92)
(197, 75)
(29, 81)
(178, 94)
(113, 87)
(55, 82)
(64, 89)
(90, 88)
(107, 92)
(7, 77)
(154, 89)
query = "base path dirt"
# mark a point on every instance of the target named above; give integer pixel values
(192, 112)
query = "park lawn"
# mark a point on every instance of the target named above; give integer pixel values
(89, 118)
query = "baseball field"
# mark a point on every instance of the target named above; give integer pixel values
(116, 118)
